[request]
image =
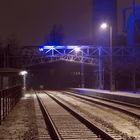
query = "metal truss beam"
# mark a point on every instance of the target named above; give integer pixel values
(28, 56)
(123, 58)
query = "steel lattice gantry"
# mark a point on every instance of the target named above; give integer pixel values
(29, 56)
(124, 58)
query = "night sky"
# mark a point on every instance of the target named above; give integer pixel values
(31, 21)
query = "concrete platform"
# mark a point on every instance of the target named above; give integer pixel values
(25, 121)
(128, 97)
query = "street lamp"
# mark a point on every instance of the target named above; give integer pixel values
(77, 50)
(112, 80)
(24, 74)
(104, 25)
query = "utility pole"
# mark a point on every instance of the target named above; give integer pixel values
(133, 8)
(82, 71)
(134, 69)
(100, 79)
(112, 77)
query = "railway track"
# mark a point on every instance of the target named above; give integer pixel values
(105, 117)
(66, 123)
(43, 132)
(130, 109)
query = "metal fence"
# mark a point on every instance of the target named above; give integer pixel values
(8, 99)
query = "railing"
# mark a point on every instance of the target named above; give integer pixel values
(8, 99)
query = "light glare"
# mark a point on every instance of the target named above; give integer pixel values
(49, 47)
(77, 49)
(104, 25)
(41, 49)
(23, 72)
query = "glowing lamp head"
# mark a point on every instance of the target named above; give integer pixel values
(104, 26)
(23, 73)
(41, 49)
(77, 49)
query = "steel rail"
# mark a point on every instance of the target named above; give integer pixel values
(49, 123)
(91, 99)
(110, 100)
(87, 122)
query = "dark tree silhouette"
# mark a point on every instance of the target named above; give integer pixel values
(56, 36)
(12, 41)
(121, 40)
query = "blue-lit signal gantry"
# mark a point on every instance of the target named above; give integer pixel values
(72, 53)
(98, 56)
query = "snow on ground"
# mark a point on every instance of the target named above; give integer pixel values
(21, 122)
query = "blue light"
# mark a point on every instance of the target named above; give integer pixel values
(77, 49)
(49, 47)
(41, 49)
(72, 47)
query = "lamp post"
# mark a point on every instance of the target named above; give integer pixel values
(82, 72)
(100, 73)
(77, 50)
(112, 80)
(24, 75)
